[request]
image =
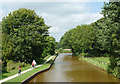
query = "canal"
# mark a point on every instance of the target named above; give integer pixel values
(68, 68)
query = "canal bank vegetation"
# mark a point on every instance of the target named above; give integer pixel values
(25, 37)
(15, 65)
(100, 39)
(26, 75)
(101, 62)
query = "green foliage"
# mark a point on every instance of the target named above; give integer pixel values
(60, 50)
(101, 62)
(101, 38)
(79, 39)
(57, 45)
(111, 30)
(83, 54)
(24, 76)
(49, 46)
(26, 31)
(0, 40)
(14, 65)
(65, 41)
(25, 37)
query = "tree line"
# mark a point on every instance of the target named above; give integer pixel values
(25, 37)
(101, 38)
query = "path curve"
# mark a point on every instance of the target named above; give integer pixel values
(11, 77)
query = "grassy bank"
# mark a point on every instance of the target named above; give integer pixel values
(15, 71)
(24, 76)
(101, 62)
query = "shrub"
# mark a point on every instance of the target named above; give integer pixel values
(14, 65)
(60, 50)
(4, 69)
(106, 55)
(83, 54)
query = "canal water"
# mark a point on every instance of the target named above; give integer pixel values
(68, 68)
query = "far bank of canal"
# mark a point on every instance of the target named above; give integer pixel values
(68, 68)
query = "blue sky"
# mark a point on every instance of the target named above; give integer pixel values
(62, 16)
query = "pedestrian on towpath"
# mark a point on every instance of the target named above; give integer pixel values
(34, 63)
(19, 70)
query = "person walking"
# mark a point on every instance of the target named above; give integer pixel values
(19, 70)
(34, 63)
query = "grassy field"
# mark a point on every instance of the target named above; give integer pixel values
(101, 62)
(24, 76)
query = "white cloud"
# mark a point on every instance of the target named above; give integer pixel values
(44, 15)
(74, 7)
(84, 18)
(61, 16)
(68, 16)
(95, 17)
(60, 24)
(54, 29)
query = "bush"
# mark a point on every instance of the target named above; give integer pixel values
(60, 50)
(45, 53)
(83, 54)
(14, 65)
(56, 54)
(4, 69)
(118, 75)
(114, 68)
(106, 55)
(115, 72)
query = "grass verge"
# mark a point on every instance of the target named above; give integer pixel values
(47, 57)
(24, 76)
(101, 62)
(27, 66)
(13, 72)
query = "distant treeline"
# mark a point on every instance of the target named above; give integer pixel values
(25, 37)
(101, 38)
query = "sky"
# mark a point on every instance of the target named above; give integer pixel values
(61, 15)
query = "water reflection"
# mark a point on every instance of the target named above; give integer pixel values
(68, 68)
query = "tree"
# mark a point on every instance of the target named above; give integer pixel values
(26, 32)
(111, 33)
(65, 41)
(79, 39)
(57, 45)
(49, 48)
